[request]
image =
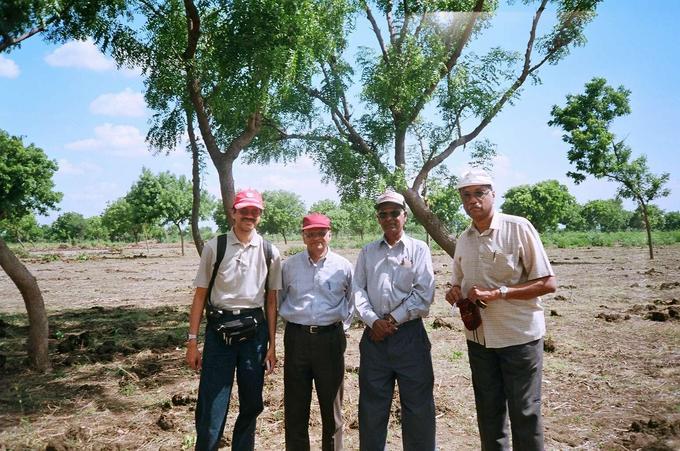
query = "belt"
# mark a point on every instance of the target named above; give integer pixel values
(315, 329)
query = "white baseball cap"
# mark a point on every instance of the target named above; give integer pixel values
(475, 177)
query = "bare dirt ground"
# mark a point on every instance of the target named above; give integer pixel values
(611, 376)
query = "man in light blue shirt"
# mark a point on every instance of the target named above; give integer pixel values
(316, 304)
(393, 289)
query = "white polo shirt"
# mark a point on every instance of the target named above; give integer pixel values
(239, 283)
(508, 253)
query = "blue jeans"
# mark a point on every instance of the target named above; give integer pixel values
(214, 391)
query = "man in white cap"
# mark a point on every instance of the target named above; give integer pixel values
(233, 283)
(500, 264)
(316, 302)
(393, 289)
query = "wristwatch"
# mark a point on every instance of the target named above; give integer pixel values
(504, 291)
(192, 337)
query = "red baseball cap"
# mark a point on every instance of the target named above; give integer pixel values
(248, 198)
(316, 221)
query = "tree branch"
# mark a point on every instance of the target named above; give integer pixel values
(453, 59)
(376, 31)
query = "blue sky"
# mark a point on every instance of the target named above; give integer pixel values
(71, 101)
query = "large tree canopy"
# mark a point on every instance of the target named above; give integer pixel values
(59, 20)
(594, 149)
(422, 91)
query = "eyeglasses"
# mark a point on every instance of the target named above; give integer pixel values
(245, 211)
(479, 195)
(389, 214)
(315, 233)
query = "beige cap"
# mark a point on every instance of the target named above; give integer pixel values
(475, 177)
(391, 197)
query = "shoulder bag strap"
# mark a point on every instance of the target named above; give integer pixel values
(221, 250)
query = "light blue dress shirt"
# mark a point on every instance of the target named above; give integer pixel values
(398, 280)
(317, 294)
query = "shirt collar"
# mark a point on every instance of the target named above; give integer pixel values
(255, 240)
(402, 239)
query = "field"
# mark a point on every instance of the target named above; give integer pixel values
(118, 319)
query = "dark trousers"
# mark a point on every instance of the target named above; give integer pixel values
(405, 358)
(507, 381)
(214, 392)
(318, 358)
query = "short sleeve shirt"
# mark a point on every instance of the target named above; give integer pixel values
(508, 253)
(240, 279)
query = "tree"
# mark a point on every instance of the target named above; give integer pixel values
(655, 217)
(176, 200)
(119, 221)
(544, 204)
(595, 150)
(144, 198)
(361, 216)
(22, 229)
(672, 221)
(444, 201)
(420, 85)
(58, 20)
(95, 230)
(282, 213)
(237, 88)
(605, 215)
(69, 227)
(340, 217)
(26, 186)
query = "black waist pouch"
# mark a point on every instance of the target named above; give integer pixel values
(235, 329)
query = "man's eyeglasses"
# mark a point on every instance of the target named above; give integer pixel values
(479, 195)
(389, 214)
(315, 233)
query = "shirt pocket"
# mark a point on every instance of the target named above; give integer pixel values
(501, 265)
(404, 277)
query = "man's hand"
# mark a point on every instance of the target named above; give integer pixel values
(454, 295)
(381, 329)
(270, 360)
(484, 294)
(193, 357)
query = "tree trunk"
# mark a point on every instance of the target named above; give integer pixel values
(433, 225)
(648, 227)
(38, 328)
(195, 186)
(285, 241)
(226, 177)
(181, 237)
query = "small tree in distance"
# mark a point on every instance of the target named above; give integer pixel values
(595, 150)
(283, 211)
(545, 204)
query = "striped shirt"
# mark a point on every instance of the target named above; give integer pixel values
(510, 252)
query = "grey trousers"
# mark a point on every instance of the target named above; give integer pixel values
(318, 358)
(507, 382)
(405, 358)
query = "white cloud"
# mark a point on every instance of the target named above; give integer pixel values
(126, 103)
(80, 54)
(68, 168)
(8, 68)
(117, 140)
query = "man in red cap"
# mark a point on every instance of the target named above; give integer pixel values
(233, 284)
(316, 304)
